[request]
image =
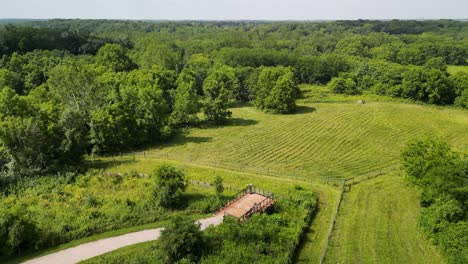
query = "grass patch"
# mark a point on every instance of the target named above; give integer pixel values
(453, 69)
(138, 253)
(377, 223)
(336, 139)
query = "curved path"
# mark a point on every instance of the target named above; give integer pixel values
(99, 247)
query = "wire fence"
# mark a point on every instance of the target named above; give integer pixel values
(328, 175)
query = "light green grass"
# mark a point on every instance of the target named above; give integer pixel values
(116, 256)
(324, 139)
(283, 187)
(315, 237)
(377, 223)
(452, 69)
(333, 137)
(94, 238)
(338, 139)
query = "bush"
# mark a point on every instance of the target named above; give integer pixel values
(182, 240)
(17, 233)
(170, 183)
(343, 86)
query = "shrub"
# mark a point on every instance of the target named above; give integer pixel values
(182, 240)
(170, 183)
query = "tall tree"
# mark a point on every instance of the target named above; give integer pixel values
(219, 89)
(114, 57)
(186, 105)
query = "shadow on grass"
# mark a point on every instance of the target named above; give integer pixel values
(232, 122)
(113, 161)
(302, 109)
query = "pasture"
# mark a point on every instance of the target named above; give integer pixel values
(377, 223)
(334, 137)
(341, 139)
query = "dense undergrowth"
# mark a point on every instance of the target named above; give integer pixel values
(44, 212)
(266, 238)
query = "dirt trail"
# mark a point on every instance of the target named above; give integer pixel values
(99, 247)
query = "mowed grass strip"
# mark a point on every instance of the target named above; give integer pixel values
(377, 223)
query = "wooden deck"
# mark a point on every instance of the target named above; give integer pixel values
(245, 205)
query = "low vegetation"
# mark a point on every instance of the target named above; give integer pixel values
(234, 103)
(266, 238)
(82, 205)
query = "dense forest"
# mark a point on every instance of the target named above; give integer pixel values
(72, 88)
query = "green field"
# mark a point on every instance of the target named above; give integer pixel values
(377, 223)
(341, 139)
(333, 137)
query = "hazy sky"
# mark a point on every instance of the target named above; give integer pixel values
(235, 9)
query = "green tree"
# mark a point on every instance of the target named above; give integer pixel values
(182, 240)
(114, 57)
(343, 85)
(282, 97)
(200, 65)
(219, 93)
(170, 184)
(420, 156)
(276, 90)
(74, 84)
(462, 100)
(186, 105)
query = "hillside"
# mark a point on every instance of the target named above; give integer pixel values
(333, 137)
(340, 139)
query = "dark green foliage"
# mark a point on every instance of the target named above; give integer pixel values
(255, 57)
(114, 57)
(218, 185)
(462, 99)
(421, 156)
(262, 238)
(17, 232)
(220, 89)
(277, 90)
(343, 86)
(182, 240)
(442, 175)
(186, 104)
(170, 184)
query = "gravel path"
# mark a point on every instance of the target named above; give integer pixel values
(99, 247)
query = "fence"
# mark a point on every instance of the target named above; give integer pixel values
(298, 174)
(333, 221)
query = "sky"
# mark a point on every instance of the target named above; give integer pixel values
(235, 9)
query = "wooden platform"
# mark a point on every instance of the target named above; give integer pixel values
(246, 205)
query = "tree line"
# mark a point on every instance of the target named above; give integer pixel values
(70, 88)
(56, 107)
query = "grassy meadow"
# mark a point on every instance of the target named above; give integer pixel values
(330, 136)
(333, 136)
(377, 223)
